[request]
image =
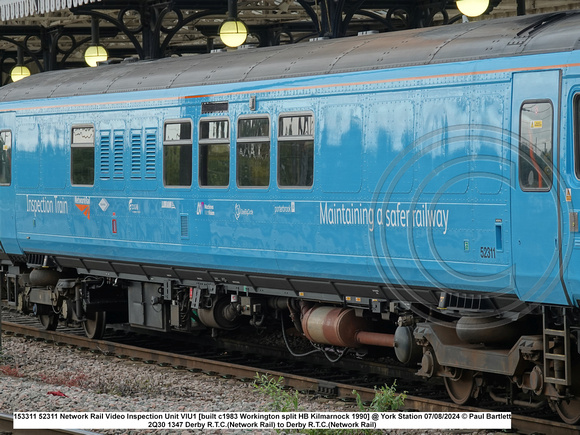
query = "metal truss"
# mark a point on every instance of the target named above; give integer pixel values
(151, 29)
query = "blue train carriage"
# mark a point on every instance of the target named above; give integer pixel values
(411, 190)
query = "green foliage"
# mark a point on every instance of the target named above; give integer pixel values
(282, 400)
(386, 399)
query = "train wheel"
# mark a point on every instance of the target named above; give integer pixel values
(461, 388)
(569, 411)
(48, 321)
(95, 324)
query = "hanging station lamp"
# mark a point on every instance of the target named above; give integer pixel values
(95, 53)
(472, 8)
(20, 71)
(233, 32)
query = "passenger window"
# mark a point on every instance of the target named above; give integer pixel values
(296, 150)
(5, 157)
(177, 154)
(214, 152)
(253, 152)
(536, 148)
(83, 156)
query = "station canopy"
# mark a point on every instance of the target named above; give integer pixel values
(48, 35)
(12, 9)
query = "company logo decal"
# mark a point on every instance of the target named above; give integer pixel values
(207, 209)
(104, 204)
(83, 203)
(239, 211)
(285, 208)
(133, 207)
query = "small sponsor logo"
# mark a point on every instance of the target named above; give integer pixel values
(207, 209)
(239, 211)
(133, 207)
(104, 204)
(82, 200)
(290, 208)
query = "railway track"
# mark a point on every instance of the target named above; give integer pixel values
(233, 364)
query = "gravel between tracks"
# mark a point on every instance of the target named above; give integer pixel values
(92, 382)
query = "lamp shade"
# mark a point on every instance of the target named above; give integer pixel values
(95, 54)
(233, 33)
(472, 8)
(19, 72)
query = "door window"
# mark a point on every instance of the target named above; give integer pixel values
(536, 146)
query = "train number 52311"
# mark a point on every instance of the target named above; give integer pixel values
(486, 252)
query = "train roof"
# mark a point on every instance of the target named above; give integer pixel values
(531, 34)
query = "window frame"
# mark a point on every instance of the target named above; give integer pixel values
(179, 142)
(280, 138)
(253, 139)
(9, 183)
(521, 141)
(220, 141)
(82, 145)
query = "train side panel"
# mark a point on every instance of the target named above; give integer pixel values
(411, 186)
(400, 180)
(440, 195)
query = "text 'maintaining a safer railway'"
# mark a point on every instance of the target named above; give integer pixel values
(395, 216)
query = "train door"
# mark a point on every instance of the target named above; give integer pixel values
(8, 240)
(535, 206)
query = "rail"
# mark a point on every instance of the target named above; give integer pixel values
(523, 424)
